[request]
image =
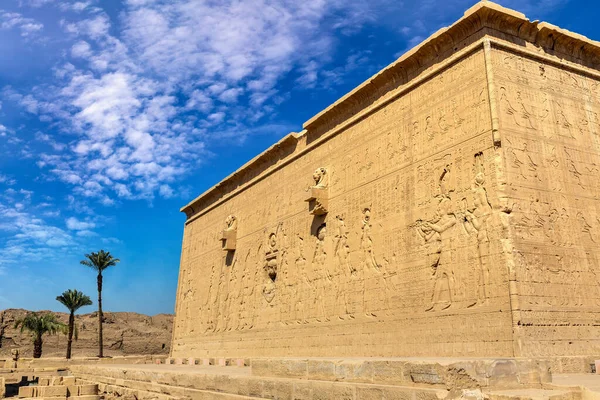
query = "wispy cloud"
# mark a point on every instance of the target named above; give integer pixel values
(12, 20)
(146, 97)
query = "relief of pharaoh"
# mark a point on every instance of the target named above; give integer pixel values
(437, 236)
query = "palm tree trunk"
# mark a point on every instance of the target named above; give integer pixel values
(70, 338)
(100, 346)
(37, 346)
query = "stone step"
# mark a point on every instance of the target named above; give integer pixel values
(85, 397)
(431, 373)
(534, 394)
(199, 387)
(43, 398)
(42, 391)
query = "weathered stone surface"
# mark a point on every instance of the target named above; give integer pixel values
(459, 214)
(2, 387)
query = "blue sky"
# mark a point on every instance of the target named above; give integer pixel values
(115, 113)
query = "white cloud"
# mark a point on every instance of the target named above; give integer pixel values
(27, 26)
(76, 225)
(81, 49)
(24, 235)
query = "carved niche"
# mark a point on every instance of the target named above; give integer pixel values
(318, 198)
(229, 234)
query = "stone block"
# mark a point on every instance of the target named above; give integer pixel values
(87, 397)
(52, 391)
(389, 372)
(328, 390)
(68, 380)
(229, 240)
(178, 361)
(428, 374)
(2, 387)
(87, 390)
(239, 362)
(27, 391)
(597, 364)
(352, 371)
(278, 389)
(44, 381)
(55, 381)
(191, 361)
(294, 368)
(503, 373)
(323, 370)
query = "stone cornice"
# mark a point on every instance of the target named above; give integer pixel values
(485, 19)
(264, 161)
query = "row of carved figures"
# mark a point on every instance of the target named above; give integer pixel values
(433, 232)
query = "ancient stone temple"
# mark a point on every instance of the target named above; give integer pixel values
(448, 206)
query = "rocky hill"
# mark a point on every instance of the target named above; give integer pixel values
(125, 333)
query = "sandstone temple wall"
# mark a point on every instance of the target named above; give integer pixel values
(409, 261)
(549, 122)
(448, 206)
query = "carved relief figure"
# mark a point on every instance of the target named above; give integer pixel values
(320, 273)
(345, 269)
(521, 116)
(342, 249)
(375, 294)
(437, 234)
(305, 291)
(366, 242)
(476, 223)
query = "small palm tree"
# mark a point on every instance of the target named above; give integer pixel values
(39, 325)
(73, 300)
(99, 262)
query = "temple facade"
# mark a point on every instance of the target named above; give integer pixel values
(448, 206)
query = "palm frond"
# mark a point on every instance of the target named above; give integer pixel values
(74, 300)
(41, 324)
(100, 260)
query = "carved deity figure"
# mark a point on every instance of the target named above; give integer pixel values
(342, 249)
(476, 223)
(346, 270)
(366, 242)
(437, 234)
(320, 273)
(305, 291)
(375, 298)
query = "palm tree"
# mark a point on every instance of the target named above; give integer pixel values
(73, 300)
(39, 325)
(99, 262)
